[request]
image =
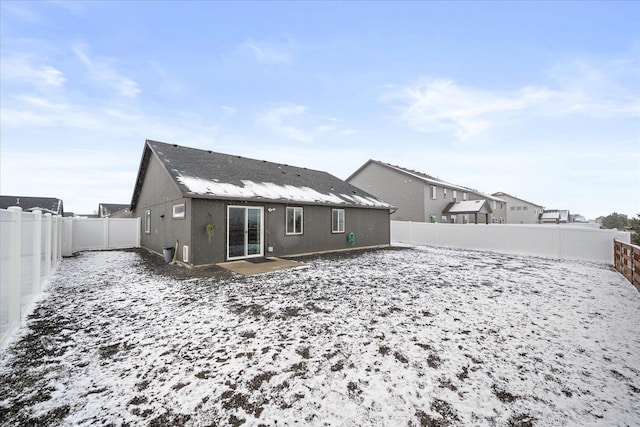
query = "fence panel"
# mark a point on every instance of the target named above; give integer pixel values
(29, 252)
(557, 241)
(104, 233)
(32, 245)
(627, 261)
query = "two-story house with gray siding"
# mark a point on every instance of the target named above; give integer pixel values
(520, 211)
(423, 198)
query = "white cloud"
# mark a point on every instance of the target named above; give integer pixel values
(268, 52)
(578, 88)
(23, 69)
(102, 70)
(292, 121)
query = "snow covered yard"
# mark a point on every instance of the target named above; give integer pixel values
(419, 337)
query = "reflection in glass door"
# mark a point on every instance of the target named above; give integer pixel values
(244, 232)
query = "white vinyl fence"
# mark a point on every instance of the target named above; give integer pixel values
(30, 250)
(556, 241)
(83, 234)
(31, 246)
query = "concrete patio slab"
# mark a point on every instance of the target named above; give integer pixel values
(270, 264)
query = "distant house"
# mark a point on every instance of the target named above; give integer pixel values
(520, 211)
(114, 210)
(555, 216)
(220, 207)
(50, 205)
(423, 198)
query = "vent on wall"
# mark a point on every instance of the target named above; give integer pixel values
(185, 253)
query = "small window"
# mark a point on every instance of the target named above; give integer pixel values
(512, 208)
(501, 206)
(519, 208)
(337, 220)
(464, 196)
(444, 219)
(444, 193)
(455, 196)
(434, 190)
(495, 205)
(294, 221)
(525, 207)
(147, 221)
(178, 211)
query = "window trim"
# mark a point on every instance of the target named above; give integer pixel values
(338, 211)
(179, 215)
(444, 192)
(286, 220)
(434, 192)
(147, 221)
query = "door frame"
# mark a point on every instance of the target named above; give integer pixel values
(246, 233)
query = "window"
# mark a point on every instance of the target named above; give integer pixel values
(455, 196)
(464, 196)
(513, 208)
(178, 211)
(337, 220)
(465, 219)
(519, 208)
(147, 221)
(453, 219)
(434, 189)
(495, 204)
(444, 193)
(501, 205)
(444, 219)
(525, 207)
(294, 220)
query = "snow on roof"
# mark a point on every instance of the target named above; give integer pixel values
(210, 174)
(467, 206)
(271, 191)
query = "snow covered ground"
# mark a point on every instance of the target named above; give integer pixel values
(419, 337)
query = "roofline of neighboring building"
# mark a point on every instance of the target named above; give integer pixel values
(429, 180)
(518, 198)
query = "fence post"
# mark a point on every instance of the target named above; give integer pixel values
(47, 244)
(37, 249)
(54, 241)
(106, 232)
(15, 265)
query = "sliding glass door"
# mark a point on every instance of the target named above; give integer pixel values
(244, 232)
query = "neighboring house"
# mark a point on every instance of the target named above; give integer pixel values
(113, 210)
(50, 205)
(421, 197)
(555, 216)
(219, 207)
(599, 220)
(577, 218)
(520, 211)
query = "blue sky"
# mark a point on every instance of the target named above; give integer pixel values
(540, 100)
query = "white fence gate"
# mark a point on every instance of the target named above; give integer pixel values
(31, 246)
(557, 241)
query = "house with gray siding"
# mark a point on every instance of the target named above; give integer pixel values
(423, 198)
(520, 211)
(218, 207)
(51, 205)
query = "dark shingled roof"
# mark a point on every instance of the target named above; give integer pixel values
(106, 209)
(219, 169)
(45, 204)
